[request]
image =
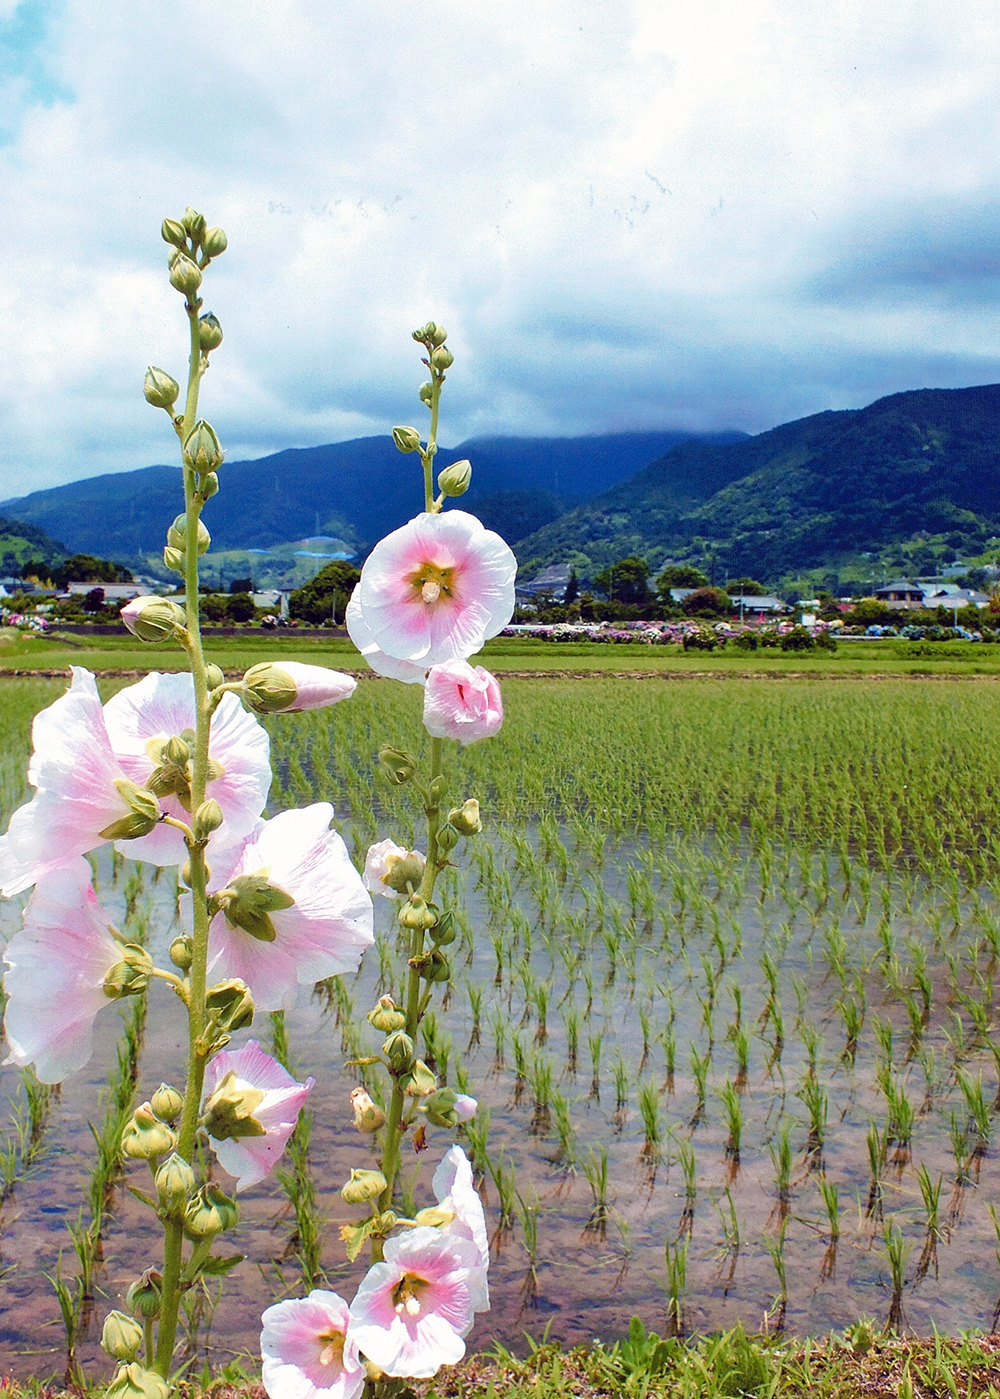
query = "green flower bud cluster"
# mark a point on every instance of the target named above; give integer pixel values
(145, 1137)
(174, 554)
(191, 236)
(432, 335)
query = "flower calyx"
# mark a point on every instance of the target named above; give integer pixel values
(466, 819)
(145, 1294)
(130, 976)
(142, 816)
(210, 1212)
(399, 766)
(418, 913)
(419, 1082)
(230, 1007)
(145, 1137)
(134, 1381)
(440, 1107)
(248, 902)
(386, 1016)
(227, 1114)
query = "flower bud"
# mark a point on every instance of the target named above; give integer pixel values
(386, 1016)
(403, 872)
(444, 931)
(214, 242)
(398, 1049)
(206, 819)
(440, 1107)
(134, 1381)
(177, 533)
(122, 1336)
(417, 913)
(214, 676)
(368, 1116)
(465, 1107)
(185, 275)
(145, 1294)
(153, 618)
(435, 967)
(167, 1103)
(399, 766)
(145, 1137)
(232, 1007)
(201, 448)
(407, 439)
(466, 818)
(228, 1113)
(431, 334)
(434, 1217)
(447, 839)
(173, 559)
(209, 485)
(455, 479)
(442, 358)
(194, 223)
(175, 1184)
(419, 1082)
(173, 232)
(362, 1186)
(209, 1213)
(160, 389)
(209, 333)
(143, 812)
(426, 393)
(182, 953)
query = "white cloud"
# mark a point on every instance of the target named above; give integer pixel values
(628, 212)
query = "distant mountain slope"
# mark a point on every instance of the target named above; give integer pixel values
(354, 490)
(20, 542)
(805, 492)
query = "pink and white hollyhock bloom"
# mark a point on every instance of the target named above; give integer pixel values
(308, 1351)
(462, 703)
(74, 769)
(55, 979)
(412, 1311)
(453, 1186)
(250, 1159)
(378, 861)
(466, 1107)
(325, 931)
(316, 686)
(161, 707)
(435, 589)
(388, 666)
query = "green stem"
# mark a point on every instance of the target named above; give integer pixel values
(392, 1142)
(197, 1047)
(428, 452)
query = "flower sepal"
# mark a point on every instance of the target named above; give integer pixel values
(134, 1381)
(227, 1114)
(248, 901)
(143, 813)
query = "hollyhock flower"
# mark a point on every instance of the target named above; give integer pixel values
(141, 718)
(74, 769)
(456, 1192)
(308, 1351)
(412, 1310)
(55, 982)
(290, 686)
(462, 703)
(389, 666)
(435, 589)
(322, 933)
(379, 863)
(276, 1109)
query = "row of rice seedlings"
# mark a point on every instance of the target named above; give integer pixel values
(295, 1176)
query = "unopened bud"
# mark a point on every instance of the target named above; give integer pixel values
(173, 232)
(153, 618)
(466, 818)
(445, 930)
(121, 1337)
(398, 1049)
(362, 1186)
(209, 333)
(426, 393)
(206, 819)
(440, 1107)
(193, 222)
(209, 485)
(399, 766)
(455, 479)
(231, 1005)
(447, 839)
(214, 242)
(209, 1213)
(407, 439)
(145, 1294)
(185, 275)
(386, 1016)
(202, 451)
(145, 1137)
(177, 534)
(182, 953)
(134, 1381)
(160, 389)
(368, 1116)
(167, 1103)
(173, 559)
(436, 966)
(419, 1082)
(442, 358)
(417, 913)
(214, 676)
(175, 1184)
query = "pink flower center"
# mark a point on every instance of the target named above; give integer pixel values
(432, 583)
(406, 1294)
(331, 1344)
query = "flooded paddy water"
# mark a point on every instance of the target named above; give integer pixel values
(720, 1078)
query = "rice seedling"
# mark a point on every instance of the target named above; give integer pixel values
(732, 1105)
(930, 1192)
(774, 1243)
(897, 1251)
(781, 1159)
(649, 1108)
(595, 1168)
(676, 1255)
(817, 1102)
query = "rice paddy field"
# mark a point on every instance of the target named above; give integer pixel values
(724, 987)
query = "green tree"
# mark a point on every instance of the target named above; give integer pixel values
(750, 586)
(241, 585)
(572, 589)
(326, 596)
(240, 608)
(678, 575)
(625, 581)
(707, 602)
(85, 568)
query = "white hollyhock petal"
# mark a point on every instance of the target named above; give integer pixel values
(74, 770)
(55, 979)
(360, 634)
(453, 1186)
(327, 928)
(162, 706)
(307, 1349)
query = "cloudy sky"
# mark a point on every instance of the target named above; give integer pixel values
(628, 213)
